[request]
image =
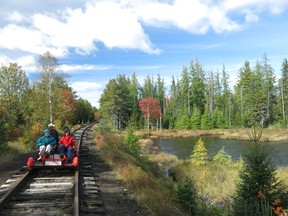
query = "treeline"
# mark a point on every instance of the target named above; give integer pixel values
(202, 99)
(27, 108)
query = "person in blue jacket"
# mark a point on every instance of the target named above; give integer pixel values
(45, 144)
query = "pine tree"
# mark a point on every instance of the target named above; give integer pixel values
(258, 183)
(186, 194)
(197, 87)
(182, 122)
(206, 120)
(226, 102)
(199, 155)
(185, 92)
(196, 118)
(283, 87)
(116, 102)
(269, 89)
(134, 89)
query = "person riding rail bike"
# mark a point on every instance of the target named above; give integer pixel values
(45, 143)
(67, 145)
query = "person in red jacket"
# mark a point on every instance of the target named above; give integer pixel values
(67, 144)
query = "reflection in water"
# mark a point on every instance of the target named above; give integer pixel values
(183, 147)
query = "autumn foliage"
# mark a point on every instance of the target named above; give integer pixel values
(150, 108)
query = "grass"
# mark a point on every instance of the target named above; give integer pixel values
(12, 149)
(215, 183)
(268, 135)
(152, 189)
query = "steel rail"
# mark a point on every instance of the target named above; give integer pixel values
(9, 194)
(76, 189)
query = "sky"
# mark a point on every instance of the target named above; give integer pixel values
(96, 40)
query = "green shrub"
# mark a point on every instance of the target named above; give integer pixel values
(258, 184)
(103, 127)
(223, 157)
(186, 194)
(131, 141)
(3, 142)
(199, 155)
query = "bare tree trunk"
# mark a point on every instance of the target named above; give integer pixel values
(229, 110)
(160, 122)
(148, 122)
(283, 105)
(241, 98)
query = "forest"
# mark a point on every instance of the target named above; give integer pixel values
(197, 99)
(200, 99)
(27, 108)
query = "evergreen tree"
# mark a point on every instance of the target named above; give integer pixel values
(131, 142)
(115, 102)
(269, 89)
(218, 93)
(172, 109)
(245, 100)
(206, 120)
(149, 88)
(197, 87)
(226, 101)
(211, 90)
(134, 89)
(186, 194)
(196, 118)
(283, 87)
(199, 155)
(218, 119)
(185, 92)
(258, 187)
(222, 157)
(182, 122)
(161, 98)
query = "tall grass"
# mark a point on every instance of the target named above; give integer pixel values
(215, 182)
(152, 189)
(12, 149)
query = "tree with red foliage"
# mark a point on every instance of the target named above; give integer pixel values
(150, 109)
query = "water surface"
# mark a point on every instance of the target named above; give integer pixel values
(183, 147)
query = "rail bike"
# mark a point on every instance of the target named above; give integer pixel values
(53, 161)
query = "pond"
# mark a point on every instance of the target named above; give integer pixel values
(183, 147)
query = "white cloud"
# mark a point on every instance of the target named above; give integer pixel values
(192, 16)
(85, 86)
(14, 37)
(90, 91)
(272, 6)
(26, 62)
(118, 24)
(250, 16)
(79, 29)
(15, 16)
(85, 67)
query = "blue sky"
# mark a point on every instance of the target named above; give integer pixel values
(95, 41)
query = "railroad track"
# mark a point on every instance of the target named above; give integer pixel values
(55, 191)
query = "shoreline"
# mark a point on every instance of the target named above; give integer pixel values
(268, 135)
